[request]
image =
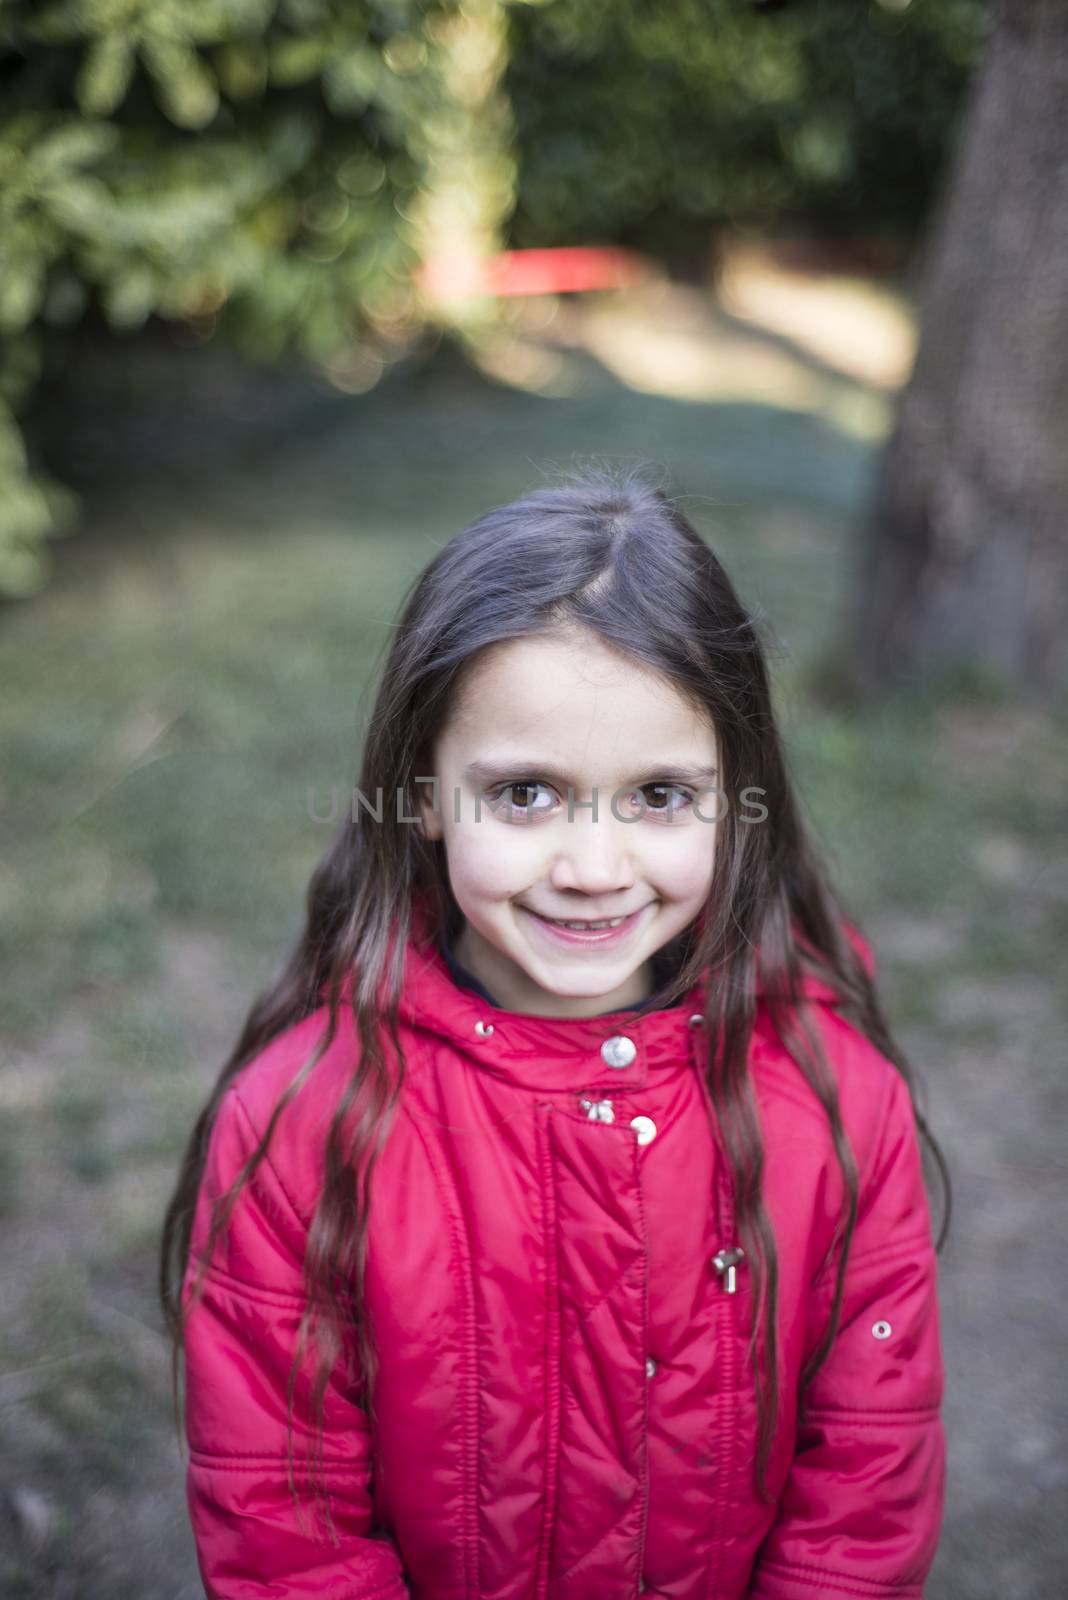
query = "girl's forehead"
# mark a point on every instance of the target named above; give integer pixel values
(574, 685)
(575, 658)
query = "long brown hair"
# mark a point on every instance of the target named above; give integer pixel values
(611, 553)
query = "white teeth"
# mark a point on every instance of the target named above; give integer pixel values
(588, 927)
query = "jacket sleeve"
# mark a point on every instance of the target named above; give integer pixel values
(861, 1510)
(240, 1341)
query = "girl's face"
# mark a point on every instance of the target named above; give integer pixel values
(535, 716)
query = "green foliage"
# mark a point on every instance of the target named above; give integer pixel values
(649, 124)
(254, 169)
(273, 171)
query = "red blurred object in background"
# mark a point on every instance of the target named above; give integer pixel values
(567, 270)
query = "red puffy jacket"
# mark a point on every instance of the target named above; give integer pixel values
(564, 1406)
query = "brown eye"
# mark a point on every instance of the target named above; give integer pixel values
(666, 789)
(521, 797)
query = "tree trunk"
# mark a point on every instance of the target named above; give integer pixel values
(967, 562)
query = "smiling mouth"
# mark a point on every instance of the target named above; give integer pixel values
(589, 930)
(582, 924)
(585, 924)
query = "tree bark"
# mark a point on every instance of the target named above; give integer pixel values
(967, 558)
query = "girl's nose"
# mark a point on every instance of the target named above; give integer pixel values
(595, 861)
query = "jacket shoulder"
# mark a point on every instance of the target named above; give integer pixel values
(267, 1074)
(297, 1142)
(868, 1086)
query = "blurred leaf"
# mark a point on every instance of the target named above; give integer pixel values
(296, 60)
(241, 68)
(75, 144)
(105, 76)
(188, 92)
(129, 299)
(81, 204)
(350, 81)
(21, 295)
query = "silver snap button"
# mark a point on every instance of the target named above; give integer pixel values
(881, 1330)
(650, 1367)
(645, 1128)
(696, 1020)
(598, 1110)
(483, 1029)
(619, 1051)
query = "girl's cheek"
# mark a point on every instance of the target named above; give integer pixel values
(487, 854)
(684, 847)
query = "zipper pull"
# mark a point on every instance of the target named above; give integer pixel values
(726, 1261)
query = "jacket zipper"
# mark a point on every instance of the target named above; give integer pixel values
(726, 1263)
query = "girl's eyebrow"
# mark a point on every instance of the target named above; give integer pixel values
(499, 771)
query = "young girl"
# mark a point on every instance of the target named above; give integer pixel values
(563, 1199)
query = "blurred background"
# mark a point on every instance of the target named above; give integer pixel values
(290, 291)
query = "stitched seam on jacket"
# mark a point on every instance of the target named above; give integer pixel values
(210, 1462)
(543, 1137)
(819, 1576)
(253, 1291)
(396, 1589)
(269, 1164)
(640, 1478)
(826, 1584)
(587, 1311)
(281, 1298)
(470, 1398)
(562, 1577)
(644, 1447)
(847, 1413)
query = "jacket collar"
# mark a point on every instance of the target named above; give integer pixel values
(549, 1053)
(553, 1052)
(542, 1052)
